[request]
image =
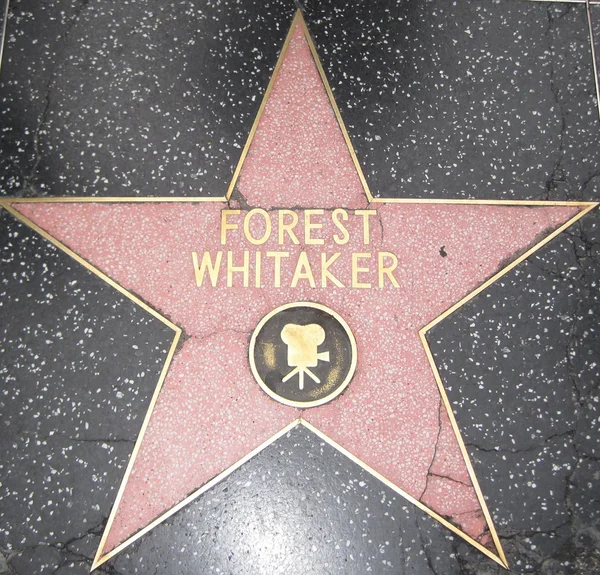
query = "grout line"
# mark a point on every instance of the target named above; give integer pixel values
(3, 29)
(8, 201)
(567, 1)
(593, 51)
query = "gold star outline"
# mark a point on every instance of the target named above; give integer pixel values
(101, 557)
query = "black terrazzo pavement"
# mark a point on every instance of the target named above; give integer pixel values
(442, 99)
(339, 521)
(79, 365)
(527, 353)
(132, 98)
(594, 15)
(464, 99)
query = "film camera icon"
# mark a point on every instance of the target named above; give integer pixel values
(302, 342)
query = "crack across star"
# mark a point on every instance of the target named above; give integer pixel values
(416, 228)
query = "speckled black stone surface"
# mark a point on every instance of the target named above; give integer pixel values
(464, 99)
(133, 98)
(527, 353)
(442, 99)
(79, 365)
(298, 507)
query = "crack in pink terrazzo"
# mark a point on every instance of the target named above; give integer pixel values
(211, 412)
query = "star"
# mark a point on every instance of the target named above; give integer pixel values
(392, 269)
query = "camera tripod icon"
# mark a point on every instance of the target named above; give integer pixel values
(302, 342)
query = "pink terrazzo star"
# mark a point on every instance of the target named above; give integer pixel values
(211, 413)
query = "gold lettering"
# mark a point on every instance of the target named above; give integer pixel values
(383, 270)
(308, 226)
(278, 257)
(325, 273)
(208, 268)
(207, 264)
(248, 219)
(287, 228)
(356, 270)
(244, 269)
(225, 225)
(303, 271)
(257, 268)
(345, 237)
(366, 230)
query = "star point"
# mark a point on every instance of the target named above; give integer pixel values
(208, 415)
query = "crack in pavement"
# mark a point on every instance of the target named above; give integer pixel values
(435, 448)
(570, 432)
(29, 180)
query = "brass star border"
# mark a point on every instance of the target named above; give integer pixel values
(100, 557)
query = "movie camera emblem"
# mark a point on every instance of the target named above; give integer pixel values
(303, 354)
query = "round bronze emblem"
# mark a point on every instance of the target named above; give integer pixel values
(303, 354)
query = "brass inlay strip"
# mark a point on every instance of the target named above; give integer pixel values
(587, 206)
(464, 452)
(185, 199)
(262, 107)
(593, 50)
(3, 31)
(113, 200)
(7, 204)
(422, 334)
(336, 110)
(221, 199)
(500, 560)
(136, 448)
(527, 203)
(100, 559)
